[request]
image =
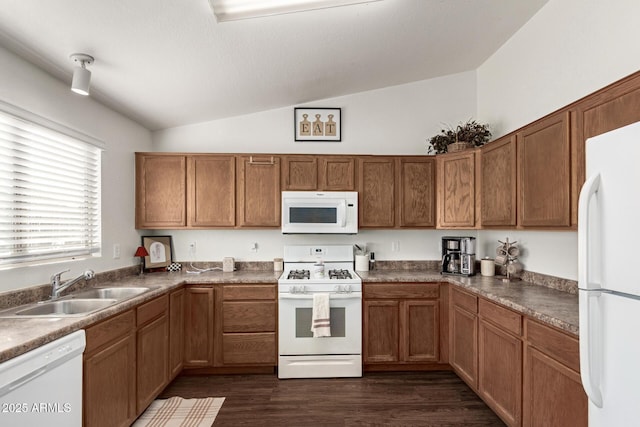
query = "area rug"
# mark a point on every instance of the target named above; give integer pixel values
(179, 412)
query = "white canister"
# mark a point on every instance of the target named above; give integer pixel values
(228, 264)
(318, 270)
(362, 262)
(487, 267)
(278, 264)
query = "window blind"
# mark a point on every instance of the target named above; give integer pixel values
(49, 193)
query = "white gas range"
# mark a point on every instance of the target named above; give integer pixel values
(300, 354)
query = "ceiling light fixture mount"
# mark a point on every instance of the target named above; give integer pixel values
(81, 76)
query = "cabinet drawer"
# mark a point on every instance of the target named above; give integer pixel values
(401, 290)
(502, 317)
(107, 331)
(556, 344)
(248, 292)
(249, 316)
(464, 300)
(152, 309)
(249, 348)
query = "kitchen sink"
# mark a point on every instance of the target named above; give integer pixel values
(77, 304)
(71, 307)
(118, 293)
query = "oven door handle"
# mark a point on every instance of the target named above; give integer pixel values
(333, 296)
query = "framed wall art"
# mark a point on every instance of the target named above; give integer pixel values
(159, 249)
(317, 124)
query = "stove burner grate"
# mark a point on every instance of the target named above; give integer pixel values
(339, 274)
(298, 274)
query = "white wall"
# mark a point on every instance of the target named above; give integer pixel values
(569, 49)
(31, 89)
(394, 120)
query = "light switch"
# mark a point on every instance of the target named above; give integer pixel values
(116, 250)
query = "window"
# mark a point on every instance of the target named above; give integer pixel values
(49, 190)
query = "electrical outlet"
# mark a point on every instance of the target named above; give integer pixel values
(395, 246)
(192, 248)
(116, 250)
(254, 247)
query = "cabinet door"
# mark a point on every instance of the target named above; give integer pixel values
(420, 330)
(259, 191)
(199, 326)
(498, 183)
(176, 332)
(381, 331)
(110, 384)
(544, 165)
(416, 192)
(300, 173)
(464, 345)
(161, 190)
(337, 173)
(376, 192)
(500, 372)
(457, 190)
(553, 393)
(212, 191)
(152, 361)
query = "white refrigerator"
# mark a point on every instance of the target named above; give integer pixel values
(609, 278)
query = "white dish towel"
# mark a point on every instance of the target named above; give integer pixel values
(320, 316)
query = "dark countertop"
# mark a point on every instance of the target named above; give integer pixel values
(556, 308)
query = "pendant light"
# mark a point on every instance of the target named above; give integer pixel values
(81, 76)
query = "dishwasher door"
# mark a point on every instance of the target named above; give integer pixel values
(43, 387)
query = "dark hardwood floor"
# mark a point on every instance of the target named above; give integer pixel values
(377, 399)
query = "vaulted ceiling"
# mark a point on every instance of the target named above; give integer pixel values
(168, 63)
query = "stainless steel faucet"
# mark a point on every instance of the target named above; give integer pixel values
(57, 287)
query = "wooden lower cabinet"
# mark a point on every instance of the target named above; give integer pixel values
(553, 395)
(176, 332)
(230, 325)
(500, 371)
(246, 332)
(199, 326)
(109, 381)
(152, 359)
(464, 336)
(401, 323)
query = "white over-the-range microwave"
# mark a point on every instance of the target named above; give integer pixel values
(320, 212)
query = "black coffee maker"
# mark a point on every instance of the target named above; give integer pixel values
(459, 256)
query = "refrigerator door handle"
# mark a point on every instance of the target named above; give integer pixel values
(589, 363)
(589, 189)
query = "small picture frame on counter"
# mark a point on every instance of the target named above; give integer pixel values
(160, 249)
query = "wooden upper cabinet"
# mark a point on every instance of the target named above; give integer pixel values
(416, 191)
(212, 191)
(457, 189)
(610, 108)
(321, 173)
(337, 173)
(300, 173)
(258, 191)
(161, 190)
(498, 183)
(376, 192)
(544, 166)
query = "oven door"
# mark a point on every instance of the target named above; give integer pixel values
(294, 330)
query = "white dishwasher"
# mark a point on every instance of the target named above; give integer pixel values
(44, 386)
